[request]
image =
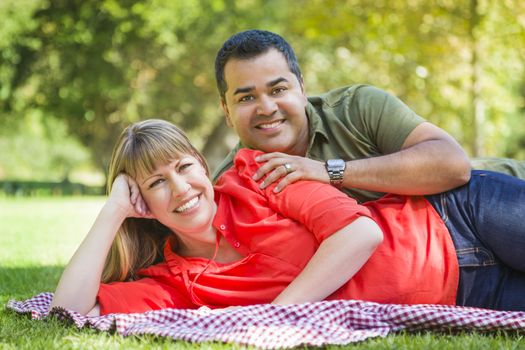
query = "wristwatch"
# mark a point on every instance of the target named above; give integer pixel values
(336, 169)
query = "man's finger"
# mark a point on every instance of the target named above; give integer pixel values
(272, 164)
(277, 173)
(288, 180)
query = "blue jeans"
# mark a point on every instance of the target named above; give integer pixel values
(486, 220)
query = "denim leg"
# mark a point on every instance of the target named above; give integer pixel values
(485, 219)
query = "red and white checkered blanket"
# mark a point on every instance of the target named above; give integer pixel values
(270, 326)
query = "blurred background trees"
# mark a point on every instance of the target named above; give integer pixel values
(73, 73)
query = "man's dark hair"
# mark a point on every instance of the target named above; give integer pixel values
(250, 44)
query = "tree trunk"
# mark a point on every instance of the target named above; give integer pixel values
(477, 103)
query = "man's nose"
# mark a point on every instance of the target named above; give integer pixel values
(266, 105)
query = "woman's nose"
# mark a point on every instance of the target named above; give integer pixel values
(179, 186)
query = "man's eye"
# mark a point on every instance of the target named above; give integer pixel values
(246, 98)
(278, 90)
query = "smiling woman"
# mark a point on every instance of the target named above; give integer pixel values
(180, 196)
(167, 238)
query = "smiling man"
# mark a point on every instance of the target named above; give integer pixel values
(358, 138)
(267, 109)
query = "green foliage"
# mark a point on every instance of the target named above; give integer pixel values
(422, 52)
(34, 252)
(39, 149)
(96, 66)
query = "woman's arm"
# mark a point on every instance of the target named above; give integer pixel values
(337, 260)
(80, 281)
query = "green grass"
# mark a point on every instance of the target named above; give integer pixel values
(37, 237)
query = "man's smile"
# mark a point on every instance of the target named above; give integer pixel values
(271, 125)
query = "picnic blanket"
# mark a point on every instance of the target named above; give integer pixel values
(272, 326)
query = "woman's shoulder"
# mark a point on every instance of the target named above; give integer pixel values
(239, 177)
(244, 165)
(245, 159)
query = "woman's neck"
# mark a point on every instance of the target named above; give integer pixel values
(222, 252)
(195, 247)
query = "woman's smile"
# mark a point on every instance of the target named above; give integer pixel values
(192, 203)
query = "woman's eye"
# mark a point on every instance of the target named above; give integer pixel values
(185, 166)
(155, 183)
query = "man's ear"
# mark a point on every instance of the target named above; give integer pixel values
(303, 90)
(224, 108)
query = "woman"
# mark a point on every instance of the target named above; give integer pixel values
(167, 238)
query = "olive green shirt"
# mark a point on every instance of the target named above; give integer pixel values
(357, 122)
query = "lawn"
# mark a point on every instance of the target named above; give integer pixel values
(37, 237)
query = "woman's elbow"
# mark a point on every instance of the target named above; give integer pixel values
(371, 232)
(85, 309)
(377, 236)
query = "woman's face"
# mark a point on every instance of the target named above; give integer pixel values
(180, 195)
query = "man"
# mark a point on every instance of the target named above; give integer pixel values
(358, 138)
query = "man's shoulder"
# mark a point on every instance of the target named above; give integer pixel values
(226, 164)
(346, 94)
(345, 103)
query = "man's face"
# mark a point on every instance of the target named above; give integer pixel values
(265, 104)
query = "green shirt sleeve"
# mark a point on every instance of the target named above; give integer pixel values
(384, 119)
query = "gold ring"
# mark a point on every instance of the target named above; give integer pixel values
(288, 168)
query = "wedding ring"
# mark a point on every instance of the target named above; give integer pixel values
(288, 168)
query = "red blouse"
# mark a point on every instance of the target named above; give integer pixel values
(278, 233)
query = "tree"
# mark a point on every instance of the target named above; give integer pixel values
(98, 65)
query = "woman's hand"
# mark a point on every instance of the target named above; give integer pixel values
(125, 195)
(79, 284)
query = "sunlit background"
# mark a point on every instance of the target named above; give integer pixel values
(73, 73)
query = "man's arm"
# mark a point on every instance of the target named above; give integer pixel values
(430, 161)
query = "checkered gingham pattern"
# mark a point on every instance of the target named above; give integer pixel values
(271, 326)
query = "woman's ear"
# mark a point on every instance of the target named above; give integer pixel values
(148, 214)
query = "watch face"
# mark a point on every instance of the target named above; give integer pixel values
(335, 169)
(335, 164)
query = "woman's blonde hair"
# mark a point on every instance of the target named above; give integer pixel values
(139, 149)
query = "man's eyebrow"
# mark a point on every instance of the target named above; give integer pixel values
(247, 89)
(243, 90)
(276, 81)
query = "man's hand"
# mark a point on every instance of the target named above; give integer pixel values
(288, 169)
